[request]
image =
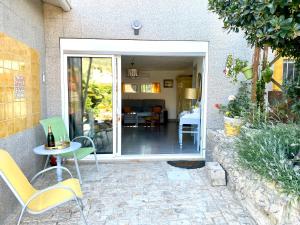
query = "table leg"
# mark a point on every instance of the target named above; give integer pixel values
(194, 134)
(198, 137)
(137, 120)
(180, 135)
(58, 169)
(77, 168)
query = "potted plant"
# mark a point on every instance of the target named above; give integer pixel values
(247, 71)
(234, 110)
(267, 74)
(235, 66)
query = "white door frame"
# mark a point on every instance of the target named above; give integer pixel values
(93, 47)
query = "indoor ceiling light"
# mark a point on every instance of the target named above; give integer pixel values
(132, 72)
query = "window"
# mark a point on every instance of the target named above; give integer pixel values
(290, 72)
(150, 88)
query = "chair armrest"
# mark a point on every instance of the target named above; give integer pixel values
(86, 137)
(48, 169)
(47, 189)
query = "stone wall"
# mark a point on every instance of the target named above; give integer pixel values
(262, 198)
(23, 20)
(161, 20)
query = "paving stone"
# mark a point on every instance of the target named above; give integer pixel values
(144, 193)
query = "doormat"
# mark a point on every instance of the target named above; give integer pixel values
(187, 164)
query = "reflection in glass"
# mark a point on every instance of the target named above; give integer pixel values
(90, 100)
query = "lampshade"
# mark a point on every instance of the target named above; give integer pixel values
(191, 93)
(133, 73)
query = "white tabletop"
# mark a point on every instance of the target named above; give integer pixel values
(190, 118)
(40, 150)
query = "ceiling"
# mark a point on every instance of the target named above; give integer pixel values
(158, 62)
(64, 4)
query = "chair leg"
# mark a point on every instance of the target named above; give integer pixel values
(81, 204)
(47, 161)
(81, 211)
(21, 215)
(95, 155)
(77, 168)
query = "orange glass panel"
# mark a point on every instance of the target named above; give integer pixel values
(19, 86)
(155, 87)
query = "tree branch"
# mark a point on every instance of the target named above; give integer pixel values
(274, 60)
(255, 66)
(276, 83)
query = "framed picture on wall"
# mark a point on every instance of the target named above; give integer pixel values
(168, 83)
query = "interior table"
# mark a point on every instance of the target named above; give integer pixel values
(41, 150)
(192, 119)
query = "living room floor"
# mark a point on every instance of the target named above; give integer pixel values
(155, 140)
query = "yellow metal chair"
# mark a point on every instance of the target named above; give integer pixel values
(38, 201)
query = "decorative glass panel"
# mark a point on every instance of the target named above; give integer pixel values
(129, 88)
(150, 88)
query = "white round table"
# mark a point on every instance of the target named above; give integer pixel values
(40, 150)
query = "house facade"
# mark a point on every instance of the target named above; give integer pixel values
(45, 27)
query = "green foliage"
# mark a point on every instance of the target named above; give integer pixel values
(260, 93)
(275, 23)
(99, 96)
(292, 92)
(271, 152)
(237, 105)
(255, 118)
(233, 67)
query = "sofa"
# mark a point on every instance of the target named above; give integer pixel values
(134, 110)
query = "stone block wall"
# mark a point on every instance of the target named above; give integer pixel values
(263, 200)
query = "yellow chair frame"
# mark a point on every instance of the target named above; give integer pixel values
(26, 194)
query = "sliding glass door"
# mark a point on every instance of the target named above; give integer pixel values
(92, 100)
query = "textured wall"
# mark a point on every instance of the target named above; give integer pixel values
(23, 20)
(162, 20)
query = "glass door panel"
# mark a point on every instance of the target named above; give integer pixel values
(90, 91)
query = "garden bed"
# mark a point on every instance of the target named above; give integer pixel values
(264, 199)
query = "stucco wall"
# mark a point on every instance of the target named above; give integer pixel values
(162, 20)
(23, 20)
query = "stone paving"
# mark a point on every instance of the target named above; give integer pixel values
(145, 193)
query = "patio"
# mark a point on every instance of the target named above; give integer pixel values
(144, 193)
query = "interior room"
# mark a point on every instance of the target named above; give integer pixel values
(156, 92)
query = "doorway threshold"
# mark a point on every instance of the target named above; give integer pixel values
(150, 157)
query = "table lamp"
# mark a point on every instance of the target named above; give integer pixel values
(191, 94)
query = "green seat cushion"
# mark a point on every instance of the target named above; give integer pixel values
(80, 153)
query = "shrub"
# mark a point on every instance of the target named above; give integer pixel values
(272, 153)
(237, 105)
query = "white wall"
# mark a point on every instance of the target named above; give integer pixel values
(169, 94)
